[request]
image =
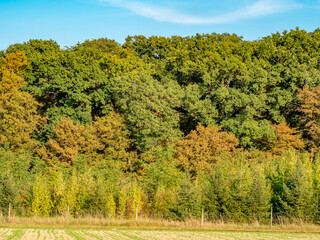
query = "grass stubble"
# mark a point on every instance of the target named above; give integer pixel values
(129, 234)
(49, 234)
(96, 228)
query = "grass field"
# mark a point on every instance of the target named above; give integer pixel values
(101, 228)
(69, 234)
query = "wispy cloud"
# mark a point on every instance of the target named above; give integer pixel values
(164, 14)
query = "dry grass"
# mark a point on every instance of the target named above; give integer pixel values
(106, 234)
(90, 222)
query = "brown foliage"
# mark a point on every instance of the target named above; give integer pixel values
(69, 139)
(310, 109)
(202, 147)
(106, 138)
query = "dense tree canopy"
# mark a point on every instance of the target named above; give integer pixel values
(165, 125)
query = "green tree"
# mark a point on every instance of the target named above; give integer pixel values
(291, 184)
(161, 181)
(149, 108)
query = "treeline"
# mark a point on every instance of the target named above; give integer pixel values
(167, 126)
(239, 189)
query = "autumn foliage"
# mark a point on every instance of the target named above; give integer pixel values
(165, 126)
(19, 116)
(310, 109)
(286, 138)
(69, 139)
(14, 63)
(106, 138)
(202, 147)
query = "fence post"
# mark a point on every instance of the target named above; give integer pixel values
(68, 215)
(137, 214)
(9, 212)
(202, 217)
(271, 220)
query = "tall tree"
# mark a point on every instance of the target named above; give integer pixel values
(149, 107)
(19, 116)
(310, 109)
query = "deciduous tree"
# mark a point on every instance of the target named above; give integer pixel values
(202, 147)
(19, 116)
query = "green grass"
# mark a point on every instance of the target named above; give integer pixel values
(75, 235)
(17, 234)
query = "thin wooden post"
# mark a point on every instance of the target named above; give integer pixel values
(68, 215)
(9, 212)
(137, 214)
(271, 220)
(202, 217)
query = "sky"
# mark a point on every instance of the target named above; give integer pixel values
(69, 22)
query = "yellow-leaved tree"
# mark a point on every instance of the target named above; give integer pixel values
(39, 197)
(19, 116)
(114, 136)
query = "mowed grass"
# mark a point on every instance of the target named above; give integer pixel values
(77, 234)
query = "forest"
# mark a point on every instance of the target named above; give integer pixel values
(163, 126)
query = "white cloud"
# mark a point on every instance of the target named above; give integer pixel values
(163, 14)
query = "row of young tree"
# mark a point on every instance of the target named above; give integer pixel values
(164, 125)
(239, 189)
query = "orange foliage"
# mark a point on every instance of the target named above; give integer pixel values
(285, 138)
(69, 139)
(202, 147)
(106, 138)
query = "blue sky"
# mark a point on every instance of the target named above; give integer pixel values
(71, 21)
